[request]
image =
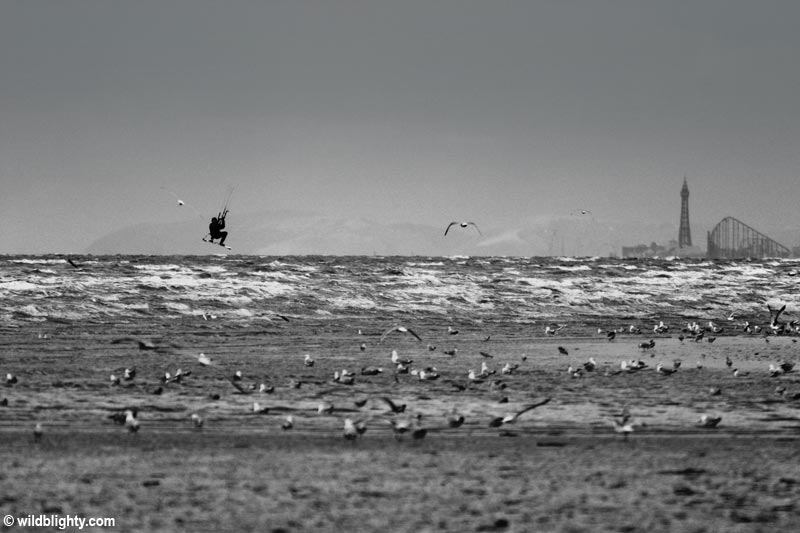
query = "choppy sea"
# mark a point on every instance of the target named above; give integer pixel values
(500, 291)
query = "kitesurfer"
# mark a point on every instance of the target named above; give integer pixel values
(216, 226)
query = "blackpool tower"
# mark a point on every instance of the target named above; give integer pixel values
(684, 233)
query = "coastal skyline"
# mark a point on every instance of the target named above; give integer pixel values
(507, 114)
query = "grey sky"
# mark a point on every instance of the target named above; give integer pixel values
(425, 111)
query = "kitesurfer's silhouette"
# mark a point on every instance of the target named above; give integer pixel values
(216, 227)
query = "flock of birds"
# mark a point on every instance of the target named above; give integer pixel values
(402, 422)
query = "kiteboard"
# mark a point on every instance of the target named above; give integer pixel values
(218, 244)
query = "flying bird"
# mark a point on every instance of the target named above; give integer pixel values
(396, 409)
(512, 418)
(624, 426)
(144, 344)
(239, 388)
(401, 329)
(147, 344)
(463, 225)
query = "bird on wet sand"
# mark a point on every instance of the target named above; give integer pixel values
(708, 421)
(455, 420)
(259, 409)
(405, 425)
(661, 369)
(131, 422)
(353, 429)
(396, 359)
(623, 424)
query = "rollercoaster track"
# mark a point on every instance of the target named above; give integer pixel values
(733, 239)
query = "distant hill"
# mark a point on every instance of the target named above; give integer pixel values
(295, 233)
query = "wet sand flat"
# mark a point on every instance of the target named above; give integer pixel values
(218, 481)
(561, 467)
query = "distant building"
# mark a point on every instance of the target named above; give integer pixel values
(680, 248)
(685, 232)
(643, 250)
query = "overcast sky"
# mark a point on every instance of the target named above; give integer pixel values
(425, 111)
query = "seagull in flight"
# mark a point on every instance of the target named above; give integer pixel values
(144, 344)
(512, 418)
(401, 329)
(401, 408)
(463, 225)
